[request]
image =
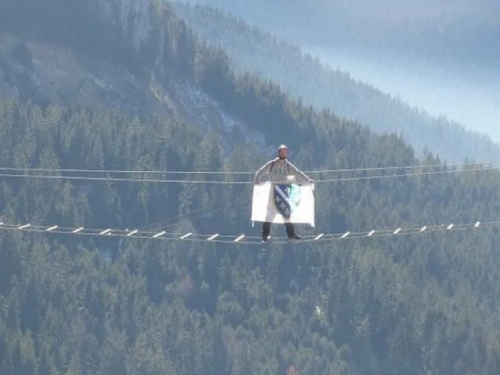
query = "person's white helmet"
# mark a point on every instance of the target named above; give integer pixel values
(282, 147)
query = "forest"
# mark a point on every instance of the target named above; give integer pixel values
(69, 304)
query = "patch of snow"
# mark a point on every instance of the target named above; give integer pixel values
(99, 83)
(228, 122)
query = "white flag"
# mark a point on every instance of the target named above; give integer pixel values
(280, 203)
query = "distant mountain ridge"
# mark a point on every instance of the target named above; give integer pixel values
(252, 49)
(461, 32)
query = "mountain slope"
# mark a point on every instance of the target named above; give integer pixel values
(252, 49)
(74, 304)
(460, 33)
(45, 69)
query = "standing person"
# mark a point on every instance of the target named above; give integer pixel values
(276, 171)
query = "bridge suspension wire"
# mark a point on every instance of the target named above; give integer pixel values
(229, 172)
(242, 239)
(225, 182)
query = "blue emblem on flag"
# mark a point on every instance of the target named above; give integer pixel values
(286, 198)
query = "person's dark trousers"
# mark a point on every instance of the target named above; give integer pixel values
(266, 230)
